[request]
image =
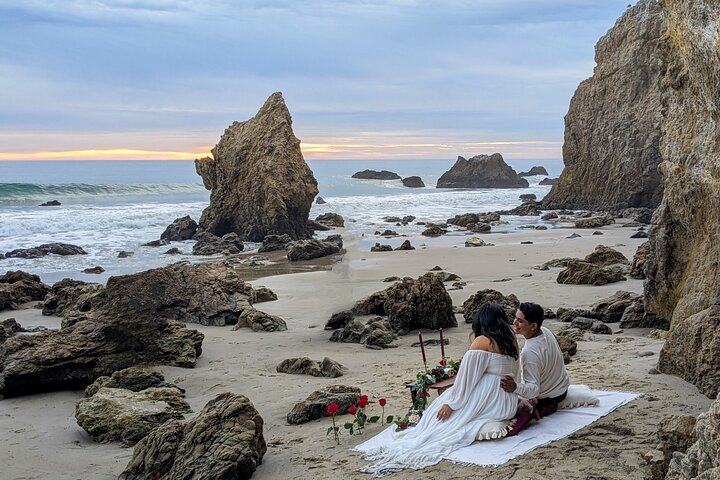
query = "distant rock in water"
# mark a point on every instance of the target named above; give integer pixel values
(181, 229)
(481, 171)
(413, 182)
(538, 170)
(548, 181)
(45, 249)
(320, 200)
(51, 203)
(375, 175)
(259, 181)
(612, 129)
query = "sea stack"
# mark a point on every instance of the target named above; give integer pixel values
(260, 184)
(481, 171)
(612, 129)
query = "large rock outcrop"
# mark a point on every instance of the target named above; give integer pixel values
(612, 129)
(224, 442)
(259, 181)
(701, 460)
(683, 264)
(481, 171)
(19, 287)
(134, 320)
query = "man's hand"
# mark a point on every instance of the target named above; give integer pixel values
(444, 413)
(508, 384)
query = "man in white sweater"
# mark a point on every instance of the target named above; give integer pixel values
(544, 378)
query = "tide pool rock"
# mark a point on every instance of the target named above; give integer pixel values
(481, 171)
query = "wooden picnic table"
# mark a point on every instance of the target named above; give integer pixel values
(440, 386)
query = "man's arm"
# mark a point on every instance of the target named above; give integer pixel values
(530, 385)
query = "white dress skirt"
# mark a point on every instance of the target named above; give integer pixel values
(476, 398)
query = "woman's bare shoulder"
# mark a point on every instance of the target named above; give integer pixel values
(482, 342)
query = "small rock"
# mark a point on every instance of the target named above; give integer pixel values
(526, 275)
(645, 354)
(502, 280)
(526, 243)
(320, 201)
(574, 235)
(598, 232)
(94, 270)
(173, 251)
(51, 203)
(125, 254)
(391, 279)
(653, 371)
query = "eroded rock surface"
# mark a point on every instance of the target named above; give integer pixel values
(259, 181)
(224, 442)
(481, 171)
(19, 287)
(306, 366)
(509, 303)
(315, 405)
(585, 273)
(180, 229)
(612, 136)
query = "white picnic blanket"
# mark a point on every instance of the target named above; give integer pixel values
(492, 453)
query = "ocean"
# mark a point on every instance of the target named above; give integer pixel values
(109, 206)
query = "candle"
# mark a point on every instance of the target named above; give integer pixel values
(442, 345)
(422, 349)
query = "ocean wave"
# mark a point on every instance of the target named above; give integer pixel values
(19, 193)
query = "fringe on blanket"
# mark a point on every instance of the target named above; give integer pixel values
(497, 433)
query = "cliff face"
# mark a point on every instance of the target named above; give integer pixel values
(259, 180)
(683, 267)
(612, 128)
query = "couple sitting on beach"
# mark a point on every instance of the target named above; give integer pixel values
(486, 396)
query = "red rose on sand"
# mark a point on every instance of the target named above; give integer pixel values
(363, 402)
(382, 402)
(332, 409)
(352, 410)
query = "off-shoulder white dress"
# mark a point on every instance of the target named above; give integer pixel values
(476, 398)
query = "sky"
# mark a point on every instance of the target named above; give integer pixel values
(386, 79)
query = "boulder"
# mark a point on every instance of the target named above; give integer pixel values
(262, 294)
(538, 170)
(68, 297)
(338, 320)
(701, 460)
(692, 350)
(330, 219)
(637, 269)
(259, 181)
(305, 366)
(567, 315)
(635, 316)
(172, 251)
(50, 203)
(125, 254)
(94, 270)
(434, 231)
(549, 216)
(257, 321)
(209, 244)
(309, 249)
(376, 175)
(675, 433)
(640, 234)
(274, 242)
(152, 243)
(473, 218)
(405, 246)
(182, 228)
(558, 263)
(528, 208)
(604, 256)
(134, 379)
(639, 215)
(413, 182)
(528, 197)
(320, 200)
(475, 242)
(481, 171)
(8, 328)
(595, 221)
(611, 309)
(120, 415)
(548, 181)
(612, 136)
(584, 273)
(567, 344)
(224, 442)
(63, 249)
(19, 287)
(411, 304)
(315, 405)
(381, 248)
(509, 303)
(595, 326)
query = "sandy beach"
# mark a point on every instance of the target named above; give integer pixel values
(41, 439)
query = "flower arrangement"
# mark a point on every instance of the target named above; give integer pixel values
(445, 369)
(359, 417)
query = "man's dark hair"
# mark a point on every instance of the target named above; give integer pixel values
(533, 312)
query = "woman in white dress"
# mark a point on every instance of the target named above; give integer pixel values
(456, 417)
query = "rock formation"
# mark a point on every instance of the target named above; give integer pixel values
(376, 175)
(182, 228)
(537, 170)
(224, 442)
(682, 265)
(307, 366)
(46, 249)
(413, 182)
(701, 460)
(19, 287)
(481, 171)
(612, 129)
(259, 181)
(471, 306)
(315, 405)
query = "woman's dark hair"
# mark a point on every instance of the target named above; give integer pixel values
(492, 322)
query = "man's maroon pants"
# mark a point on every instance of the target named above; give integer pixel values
(544, 407)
